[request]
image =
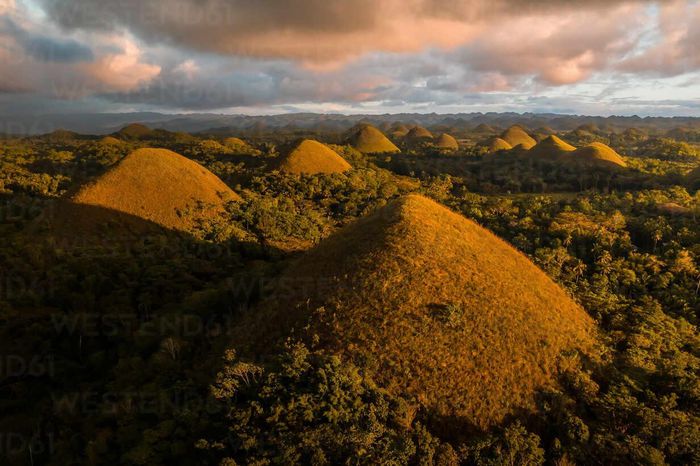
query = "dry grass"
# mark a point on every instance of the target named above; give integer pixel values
(552, 148)
(447, 142)
(369, 140)
(431, 305)
(310, 157)
(498, 144)
(598, 153)
(159, 186)
(515, 135)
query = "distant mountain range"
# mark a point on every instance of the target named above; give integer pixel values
(106, 123)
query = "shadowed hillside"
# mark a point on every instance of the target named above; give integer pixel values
(497, 144)
(419, 133)
(432, 305)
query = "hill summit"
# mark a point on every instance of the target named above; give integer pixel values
(432, 306)
(418, 133)
(598, 153)
(310, 157)
(497, 144)
(447, 142)
(517, 136)
(369, 140)
(159, 186)
(552, 147)
(134, 131)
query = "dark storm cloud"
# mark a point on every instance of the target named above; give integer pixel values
(44, 48)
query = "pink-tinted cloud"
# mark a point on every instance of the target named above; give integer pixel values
(223, 53)
(34, 60)
(557, 48)
(678, 50)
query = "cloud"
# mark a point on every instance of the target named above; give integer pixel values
(50, 65)
(677, 51)
(44, 48)
(316, 32)
(561, 48)
(222, 54)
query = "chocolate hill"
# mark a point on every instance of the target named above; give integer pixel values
(419, 133)
(158, 186)
(135, 131)
(598, 154)
(516, 135)
(310, 157)
(497, 144)
(432, 306)
(552, 148)
(369, 140)
(447, 143)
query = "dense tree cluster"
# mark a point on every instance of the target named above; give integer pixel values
(117, 352)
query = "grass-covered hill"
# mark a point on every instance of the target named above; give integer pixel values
(369, 140)
(160, 186)
(340, 318)
(311, 157)
(431, 305)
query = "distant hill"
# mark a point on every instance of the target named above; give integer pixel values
(419, 133)
(447, 142)
(432, 306)
(496, 144)
(237, 144)
(552, 148)
(516, 135)
(369, 140)
(310, 157)
(599, 154)
(134, 131)
(482, 124)
(110, 141)
(159, 186)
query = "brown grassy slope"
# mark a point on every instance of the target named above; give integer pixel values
(379, 293)
(311, 157)
(160, 186)
(446, 142)
(497, 144)
(419, 133)
(598, 153)
(552, 147)
(369, 140)
(515, 135)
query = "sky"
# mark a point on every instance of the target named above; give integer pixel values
(594, 57)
